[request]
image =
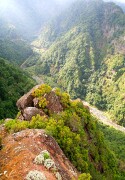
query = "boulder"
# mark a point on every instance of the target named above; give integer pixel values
(29, 105)
(26, 100)
(53, 104)
(29, 112)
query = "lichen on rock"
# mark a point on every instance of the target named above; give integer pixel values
(40, 159)
(58, 176)
(49, 163)
(35, 175)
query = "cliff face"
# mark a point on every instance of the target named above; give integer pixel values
(23, 151)
(31, 154)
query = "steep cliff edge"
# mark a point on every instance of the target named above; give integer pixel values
(20, 155)
(27, 153)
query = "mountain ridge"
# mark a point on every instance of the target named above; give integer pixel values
(70, 126)
(81, 53)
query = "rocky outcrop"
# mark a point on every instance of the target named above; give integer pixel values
(26, 100)
(29, 112)
(29, 104)
(54, 104)
(32, 153)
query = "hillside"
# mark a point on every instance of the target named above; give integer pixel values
(119, 3)
(13, 46)
(71, 125)
(20, 23)
(116, 142)
(13, 83)
(83, 51)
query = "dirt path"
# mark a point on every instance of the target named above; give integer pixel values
(102, 118)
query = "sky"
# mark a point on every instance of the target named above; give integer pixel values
(121, 1)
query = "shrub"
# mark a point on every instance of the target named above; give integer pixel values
(42, 102)
(38, 122)
(16, 125)
(84, 176)
(46, 155)
(43, 89)
(65, 100)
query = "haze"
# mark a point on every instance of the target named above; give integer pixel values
(29, 15)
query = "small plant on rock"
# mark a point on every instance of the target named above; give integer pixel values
(35, 175)
(43, 89)
(40, 159)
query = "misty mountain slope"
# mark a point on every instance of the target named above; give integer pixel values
(83, 51)
(28, 16)
(20, 22)
(12, 46)
(120, 3)
(13, 83)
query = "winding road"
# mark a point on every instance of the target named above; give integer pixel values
(103, 118)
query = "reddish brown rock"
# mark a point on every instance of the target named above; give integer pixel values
(29, 105)
(29, 112)
(26, 100)
(20, 150)
(54, 104)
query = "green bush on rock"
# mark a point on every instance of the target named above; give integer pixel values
(85, 176)
(76, 132)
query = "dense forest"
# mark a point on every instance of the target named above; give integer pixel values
(83, 51)
(13, 83)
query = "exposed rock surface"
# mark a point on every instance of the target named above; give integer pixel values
(29, 105)
(29, 112)
(26, 100)
(20, 150)
(54, 104)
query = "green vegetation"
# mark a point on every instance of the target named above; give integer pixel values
(12, 46)
(84, 176)
(115, 140)
(76, 132)
(15, 51)
(83, 52)
(108, 92)
(13, 84)
(43, 89)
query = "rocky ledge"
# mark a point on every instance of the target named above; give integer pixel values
(32, 155)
